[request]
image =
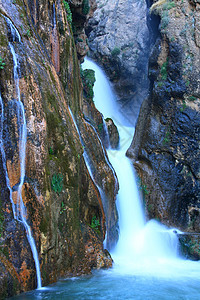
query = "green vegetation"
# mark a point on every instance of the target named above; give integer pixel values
(62, 209)
(79, 40)
(2, 64)
(192, 98)
(160, 84)
(168, 5)
(68, 11)
(163, 70)
(115, 52)
(164, 19)
(100, 127)
(51, 152)
(88, 80)
(85, 7)
(167, 137)
(95, 224)
(187, 83)
(142, 187)
(183, 106)
(162, 5)
(28, 33)
(57, 183)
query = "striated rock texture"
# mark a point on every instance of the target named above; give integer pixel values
(119, 40)
(61, 199)
(165, 149)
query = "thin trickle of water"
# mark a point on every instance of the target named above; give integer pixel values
(104, 153)
(13, 33)
(107, 140)
(88, 165)
(19, 210)
(140, 244)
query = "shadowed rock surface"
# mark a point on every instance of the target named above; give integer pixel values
(165, 148)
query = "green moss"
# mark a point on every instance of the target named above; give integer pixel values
(78, 40)
(167, 137)
(95, 224)
(100, 127)
(169, 5)
(163, 70)
(28, 33)
(85, 7)
(57, 183)
(68, 11)
(192, 98)
(183, 106)
(115, 52)
(2, 63)
(160, 84)
(88, 79)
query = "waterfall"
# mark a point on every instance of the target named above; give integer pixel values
(19, 210)
(141, 245)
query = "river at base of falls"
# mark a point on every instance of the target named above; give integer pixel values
(115, 285)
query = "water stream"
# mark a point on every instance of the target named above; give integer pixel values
(147, 263)
(19, 209)
(141, 245)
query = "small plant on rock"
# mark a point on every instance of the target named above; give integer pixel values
(163, 70)
(57, 183)
(115, 52)
(88, 80)
(2, 64)
(68, 11)
(95, 224)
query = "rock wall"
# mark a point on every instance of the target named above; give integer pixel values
(61, 199)
(165, 149)
(119, 40)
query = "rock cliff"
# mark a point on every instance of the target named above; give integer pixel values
(165, 149)
(63, 205)
(119, 39)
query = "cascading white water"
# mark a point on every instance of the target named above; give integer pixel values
(142, 245)
(19, 210)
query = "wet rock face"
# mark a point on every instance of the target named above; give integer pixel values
(189, 245)
(58, 192)
(113, 133)
(119, 40)
(165, 148)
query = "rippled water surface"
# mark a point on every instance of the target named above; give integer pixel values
(114, 285)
